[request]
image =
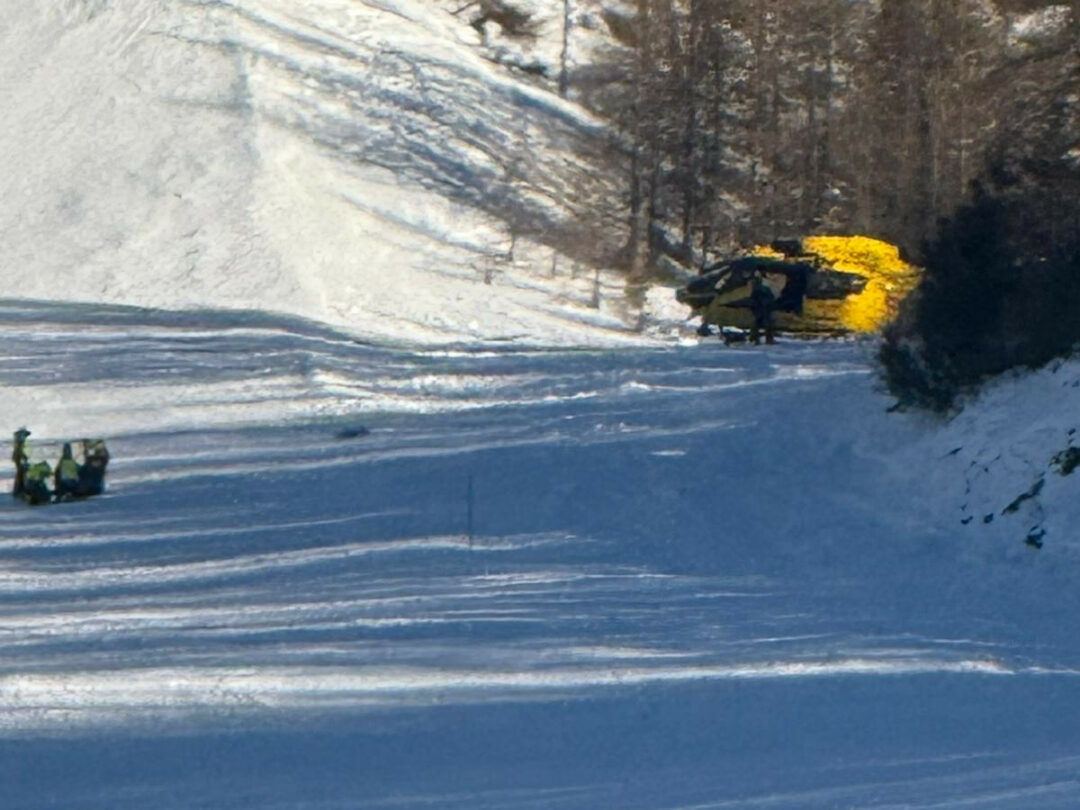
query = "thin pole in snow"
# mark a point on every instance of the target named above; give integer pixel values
(469, 511)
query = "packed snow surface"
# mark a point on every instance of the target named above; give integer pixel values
(329, 574)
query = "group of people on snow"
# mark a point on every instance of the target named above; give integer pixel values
(36, 482)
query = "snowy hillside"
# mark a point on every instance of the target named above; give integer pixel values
(329, 575)
(365, 163)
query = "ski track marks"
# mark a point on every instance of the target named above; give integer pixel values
(287, 538)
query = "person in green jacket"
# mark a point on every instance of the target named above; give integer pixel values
(66, 477)
(20, 456)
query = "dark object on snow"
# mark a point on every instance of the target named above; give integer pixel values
(513, 21)
(1036, 488)
(1035, 538)
(966, 521)
(988, 517)
(352, 432)
(1067, 460)
(731, 334)
(92, 470)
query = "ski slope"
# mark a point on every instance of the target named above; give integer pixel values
(334, 574)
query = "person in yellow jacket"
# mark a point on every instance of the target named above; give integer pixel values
(66, 477)
(36, 486)
(20, 456)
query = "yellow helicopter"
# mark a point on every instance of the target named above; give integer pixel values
(820, 284)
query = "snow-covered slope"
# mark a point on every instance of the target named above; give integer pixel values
(329, 575)
(998, 471)
(354, 161)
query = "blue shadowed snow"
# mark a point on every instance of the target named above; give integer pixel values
(688, 578)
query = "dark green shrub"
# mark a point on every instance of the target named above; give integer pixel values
(1001, 289)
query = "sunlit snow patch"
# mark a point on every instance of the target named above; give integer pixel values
(69, 701)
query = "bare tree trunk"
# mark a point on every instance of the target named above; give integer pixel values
(640, 136)
(564, 72)
(810, 194)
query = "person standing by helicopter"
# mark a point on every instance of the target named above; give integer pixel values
(762, 303)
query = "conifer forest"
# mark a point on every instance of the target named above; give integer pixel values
(948, 127)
